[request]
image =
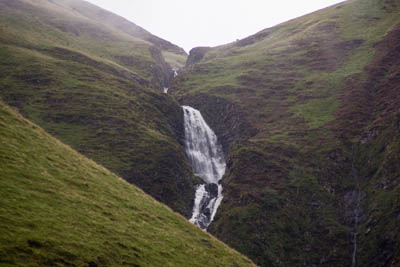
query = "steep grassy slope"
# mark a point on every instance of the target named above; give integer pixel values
(92, 79)
(81, 27)
(57, 208)
(308, 116)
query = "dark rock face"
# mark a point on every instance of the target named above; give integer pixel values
(164, 45)
(212, 189)
(162, 71)
(196, 54)
(227, 119)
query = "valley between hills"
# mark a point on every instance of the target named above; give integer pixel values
(307, 114)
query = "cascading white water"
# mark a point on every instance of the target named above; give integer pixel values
(207, 160)
(175, 70)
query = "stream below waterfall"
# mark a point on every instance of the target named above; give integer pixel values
(356, 209)
(207, 159)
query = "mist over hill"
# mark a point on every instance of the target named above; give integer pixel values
(307, 113)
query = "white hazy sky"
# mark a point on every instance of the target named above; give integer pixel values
(190, 23)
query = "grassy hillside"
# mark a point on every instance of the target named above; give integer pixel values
(308, 117)
(57, 208)
(94, 80)
(82, 27)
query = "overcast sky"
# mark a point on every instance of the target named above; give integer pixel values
(190, 23)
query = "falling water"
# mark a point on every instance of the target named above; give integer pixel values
(356, 210)
(175, 72)
(207, 160)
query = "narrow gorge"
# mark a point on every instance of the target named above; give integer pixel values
(207, 159)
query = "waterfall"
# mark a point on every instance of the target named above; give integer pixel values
(207, 160)
(175, 72)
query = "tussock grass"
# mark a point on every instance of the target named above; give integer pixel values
(88, 77)
(60, 208)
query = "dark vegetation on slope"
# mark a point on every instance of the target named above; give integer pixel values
(378, 152)
(308, 112)
(57, 208)
(94, 80)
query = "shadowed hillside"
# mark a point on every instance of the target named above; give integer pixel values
(94, 80)
(57, 208)
(308, 113)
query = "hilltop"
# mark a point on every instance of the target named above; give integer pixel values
(309, 120)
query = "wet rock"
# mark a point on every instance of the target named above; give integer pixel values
(369, 136)
(196, 54)
(161, 70)
(212, 189)
(231, 124)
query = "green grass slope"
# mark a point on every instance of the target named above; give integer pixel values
(308, 117)
(82, 27)
(57, 208)
(94, 80)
